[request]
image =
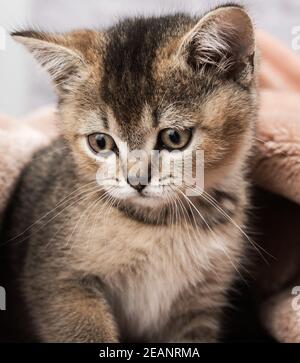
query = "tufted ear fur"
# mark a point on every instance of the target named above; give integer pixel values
(62, 55)
(223, 41)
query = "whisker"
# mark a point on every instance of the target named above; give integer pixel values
(63, 201)
(29, 229)
(172, 203)
(215, 204)
(210, 229)
(105, 204)
(83, 200)
(185, 216)
(87, 210)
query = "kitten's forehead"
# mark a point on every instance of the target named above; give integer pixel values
(135, 134)
(129, 86)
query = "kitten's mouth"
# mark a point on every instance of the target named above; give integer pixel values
(149, 196)
(144, 195)
(147, 208)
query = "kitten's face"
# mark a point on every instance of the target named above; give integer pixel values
(171, 84)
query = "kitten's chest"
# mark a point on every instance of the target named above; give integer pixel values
(142, 294)
(146, 269)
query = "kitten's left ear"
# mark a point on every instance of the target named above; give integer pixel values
(223, 40)
(58, 54)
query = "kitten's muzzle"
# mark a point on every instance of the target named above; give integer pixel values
(139, 183)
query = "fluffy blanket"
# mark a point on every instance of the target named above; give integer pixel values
(276, 169)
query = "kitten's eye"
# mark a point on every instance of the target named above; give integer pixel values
(101, 142)
(175, 139)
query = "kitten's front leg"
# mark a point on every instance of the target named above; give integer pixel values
(195, 318)
(72, 311)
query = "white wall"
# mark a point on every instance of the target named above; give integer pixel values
(13, 59)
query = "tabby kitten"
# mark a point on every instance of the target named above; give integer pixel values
(128, 261)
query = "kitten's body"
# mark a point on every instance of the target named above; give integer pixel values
(135, 270)
(149, 283)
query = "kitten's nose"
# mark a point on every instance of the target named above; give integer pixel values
(139, 187)
(139, 183)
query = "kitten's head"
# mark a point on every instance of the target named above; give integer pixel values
(172, 83)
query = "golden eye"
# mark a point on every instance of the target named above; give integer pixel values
(175, 139)
(101, 142)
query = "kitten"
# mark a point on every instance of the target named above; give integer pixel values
(135, 262)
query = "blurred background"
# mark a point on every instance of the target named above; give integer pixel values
(24, 86)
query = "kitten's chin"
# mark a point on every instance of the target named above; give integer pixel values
(147, 209)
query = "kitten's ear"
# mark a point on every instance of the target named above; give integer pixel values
(223, 40)
(56, 54)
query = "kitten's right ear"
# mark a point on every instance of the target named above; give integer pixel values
(54, 53)
(223, 40)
